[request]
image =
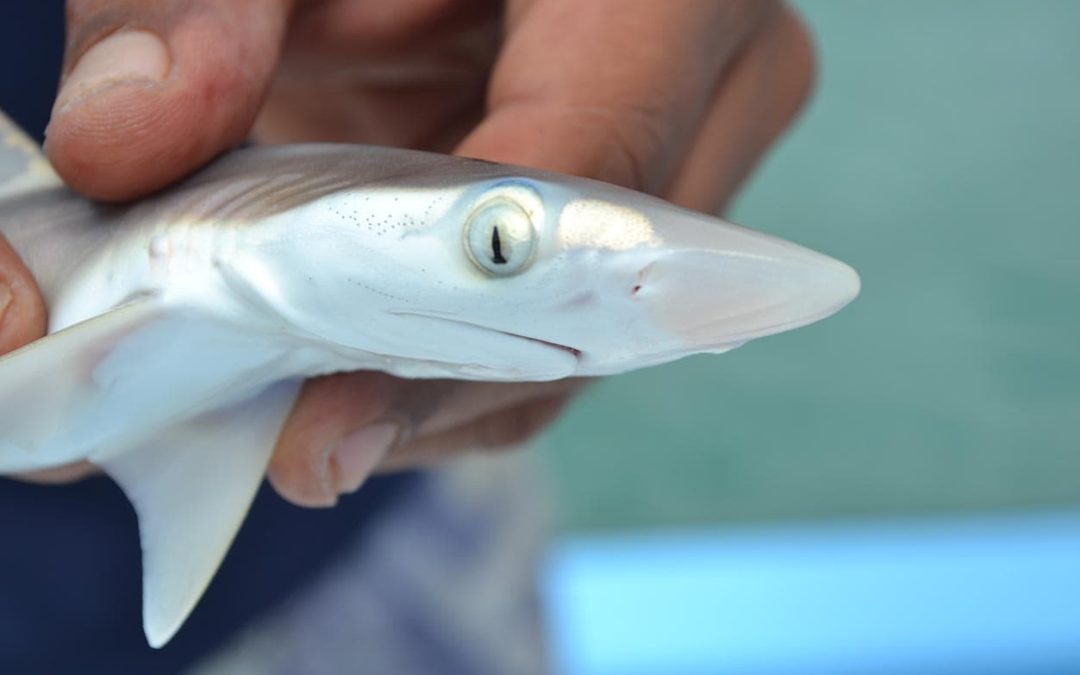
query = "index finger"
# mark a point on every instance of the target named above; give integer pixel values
(611, 89)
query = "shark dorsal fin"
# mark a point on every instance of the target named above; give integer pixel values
(23, 167)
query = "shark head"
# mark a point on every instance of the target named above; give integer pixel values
(514, 274)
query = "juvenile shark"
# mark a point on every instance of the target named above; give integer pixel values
(182, 325)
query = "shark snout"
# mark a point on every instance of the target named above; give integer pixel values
(716, 285)
(712, 300)
(682, 282)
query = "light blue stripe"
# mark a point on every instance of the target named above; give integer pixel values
(969, 596)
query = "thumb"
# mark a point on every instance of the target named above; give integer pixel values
(151, 91)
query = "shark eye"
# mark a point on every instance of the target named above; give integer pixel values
(499, 238)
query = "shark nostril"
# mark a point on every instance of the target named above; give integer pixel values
(640, 282)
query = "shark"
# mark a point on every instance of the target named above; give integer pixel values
(182, 325)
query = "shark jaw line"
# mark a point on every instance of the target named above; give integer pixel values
(436, 316)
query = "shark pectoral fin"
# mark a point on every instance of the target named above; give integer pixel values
(125, 389)
(44, 384)
(191, 486)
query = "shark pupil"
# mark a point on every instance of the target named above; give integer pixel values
(496, 247)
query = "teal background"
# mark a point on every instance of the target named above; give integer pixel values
(941, 158)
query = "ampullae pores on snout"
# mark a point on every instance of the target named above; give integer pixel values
(182, 325)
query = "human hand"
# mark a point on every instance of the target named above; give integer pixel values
(676, 98)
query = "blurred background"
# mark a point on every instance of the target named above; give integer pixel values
(934, 420)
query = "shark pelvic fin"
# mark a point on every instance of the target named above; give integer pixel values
(23, 166)
(191, 486)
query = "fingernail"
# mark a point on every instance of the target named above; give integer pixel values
(355, 456)
(129, 57)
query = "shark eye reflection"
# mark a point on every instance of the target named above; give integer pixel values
(499, 238)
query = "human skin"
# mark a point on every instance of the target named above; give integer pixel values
(678, 98)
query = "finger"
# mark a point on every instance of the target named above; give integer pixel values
(627, 116)
(343, 426)
(758, 97)
(22, 311)
(500, 430)
(152, 90)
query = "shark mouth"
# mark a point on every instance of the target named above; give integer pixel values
(576, 353)
(436, 316)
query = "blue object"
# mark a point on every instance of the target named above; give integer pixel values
(993, 595)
